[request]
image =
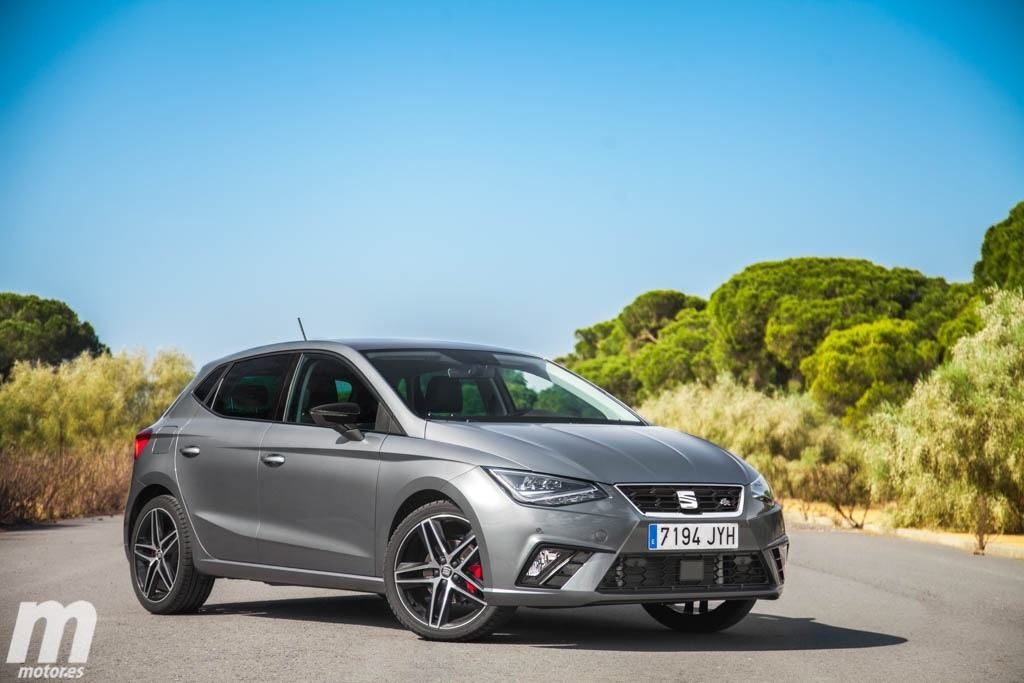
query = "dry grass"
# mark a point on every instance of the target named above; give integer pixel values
(810, 511)
(46, 486)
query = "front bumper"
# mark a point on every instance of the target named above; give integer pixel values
(613, 531)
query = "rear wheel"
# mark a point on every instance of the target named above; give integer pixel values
(163, 575)
(700, 616)
(434, 576)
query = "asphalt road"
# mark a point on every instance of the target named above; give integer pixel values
(855, 607)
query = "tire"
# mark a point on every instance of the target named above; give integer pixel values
(676, 617)
(464, 616)
(152, 563)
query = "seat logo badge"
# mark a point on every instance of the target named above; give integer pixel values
(687, 500)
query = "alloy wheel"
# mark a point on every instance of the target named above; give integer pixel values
(438, 575)
(156, 554)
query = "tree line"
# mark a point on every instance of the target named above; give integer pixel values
(842, 380)
(861, 383)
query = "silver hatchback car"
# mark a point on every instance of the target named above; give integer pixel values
(459, 481)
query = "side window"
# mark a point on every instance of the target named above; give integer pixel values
(205, 388)
(325, 379)
(251, 388)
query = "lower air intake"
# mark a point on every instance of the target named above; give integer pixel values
(685, 572)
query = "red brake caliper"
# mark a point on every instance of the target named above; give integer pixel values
(477, 572)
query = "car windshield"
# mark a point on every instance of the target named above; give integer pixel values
(480, 386)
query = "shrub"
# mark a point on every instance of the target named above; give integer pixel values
(954, 451)
(800, 449)
(66, 431)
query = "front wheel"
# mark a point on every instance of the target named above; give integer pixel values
(708, 617)
(434, 576)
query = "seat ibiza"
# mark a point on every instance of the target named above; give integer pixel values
(459, 481)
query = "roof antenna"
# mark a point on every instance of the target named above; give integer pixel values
(302, 329)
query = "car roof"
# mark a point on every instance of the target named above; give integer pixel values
(365, 344)
(397, 344)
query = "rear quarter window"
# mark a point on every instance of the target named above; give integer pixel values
(205, 388)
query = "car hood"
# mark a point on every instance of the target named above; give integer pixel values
(611, 454)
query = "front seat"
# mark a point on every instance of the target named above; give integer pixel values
(320, 390)
(444, 396)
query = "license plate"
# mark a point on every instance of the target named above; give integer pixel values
(692, 536)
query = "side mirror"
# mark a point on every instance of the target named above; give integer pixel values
(340, 417)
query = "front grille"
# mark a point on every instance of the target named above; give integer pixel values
(684, 572)
(664, 498)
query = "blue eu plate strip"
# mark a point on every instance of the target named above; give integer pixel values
(652, 537)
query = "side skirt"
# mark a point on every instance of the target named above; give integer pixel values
(289, 577)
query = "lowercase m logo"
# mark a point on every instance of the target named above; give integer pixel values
(57, 617)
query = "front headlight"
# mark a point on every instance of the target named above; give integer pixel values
(544, 489)
(761, 490)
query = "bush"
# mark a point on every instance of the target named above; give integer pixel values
(803, 452)
(954, 451)
(66, 431)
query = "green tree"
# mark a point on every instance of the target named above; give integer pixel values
(44, 330)
(523, 397)
(773, 315)
(588, 339)
(614, 374)
(681, 354)
(1002, 253)
(954, 451)
(646, 315)
(855, 370)
(967, 322)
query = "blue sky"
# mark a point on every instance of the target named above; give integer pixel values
(197, 174)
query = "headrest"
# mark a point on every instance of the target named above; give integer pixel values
(444, 395)
(251, 396)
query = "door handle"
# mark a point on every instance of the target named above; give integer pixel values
(273, 460)
(190, 451)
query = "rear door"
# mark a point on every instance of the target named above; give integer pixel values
(318, 488)
(217, 456)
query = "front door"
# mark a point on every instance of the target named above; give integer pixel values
(317, 488)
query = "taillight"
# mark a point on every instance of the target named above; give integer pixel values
(141, 439)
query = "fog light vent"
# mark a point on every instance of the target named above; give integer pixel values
(779, 554)
(551, 566)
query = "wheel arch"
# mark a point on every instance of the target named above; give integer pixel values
(147, 494)
(416, 494)
(414, 501)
